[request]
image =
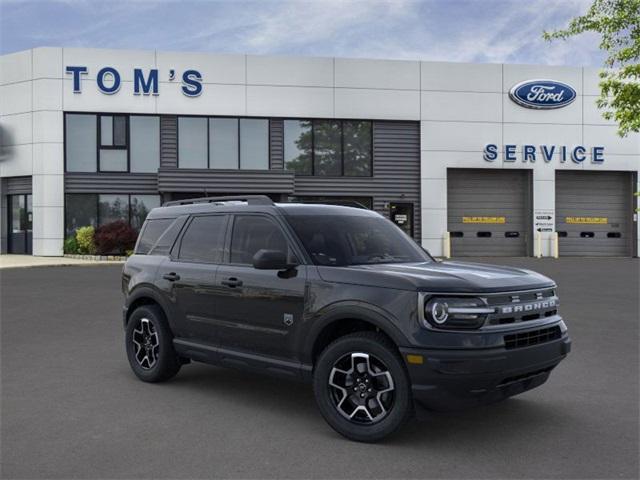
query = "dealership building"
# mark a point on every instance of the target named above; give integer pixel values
(469, 159)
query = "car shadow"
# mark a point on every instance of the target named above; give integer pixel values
(503, 420)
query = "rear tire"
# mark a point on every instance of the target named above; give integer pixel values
(149, 345)
(362, 387)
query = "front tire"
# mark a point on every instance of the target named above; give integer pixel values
(362, 388)
(149, 345)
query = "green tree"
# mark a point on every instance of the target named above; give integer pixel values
(618, 23)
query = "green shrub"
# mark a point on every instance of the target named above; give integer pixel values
(84, 237)
(71, 245)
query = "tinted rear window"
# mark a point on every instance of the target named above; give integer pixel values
(151, 233)
(204, 239)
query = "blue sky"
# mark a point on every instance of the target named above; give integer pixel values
(445, 30)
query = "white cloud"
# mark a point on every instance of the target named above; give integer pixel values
(446, 30)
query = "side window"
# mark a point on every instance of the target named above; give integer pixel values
(151, 233)
(166, 240)
(204, 239)
(252, 233)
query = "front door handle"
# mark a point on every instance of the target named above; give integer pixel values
(172, 277)
(232, 282)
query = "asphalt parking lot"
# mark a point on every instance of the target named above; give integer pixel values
(71, 408)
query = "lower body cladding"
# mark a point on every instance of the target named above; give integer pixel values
(452, 379)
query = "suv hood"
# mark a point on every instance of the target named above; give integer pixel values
(454, 277)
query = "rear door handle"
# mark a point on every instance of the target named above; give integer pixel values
(172, 277)
(232, 282)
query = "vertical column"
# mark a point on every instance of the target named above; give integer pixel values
(544, 204)
(48, 153)
(433, 192)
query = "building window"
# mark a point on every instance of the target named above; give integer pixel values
(223, 143)
(141, 205)
(112, 208)
(329, 147)
(145, 143)
(192, 142)
(84, 209)
(357, 148)
(81, 210)
(297, 146)
(80, 142)
(254, 144)
(112, 143)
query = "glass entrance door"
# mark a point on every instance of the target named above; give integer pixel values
(402, 215)
(20, 222)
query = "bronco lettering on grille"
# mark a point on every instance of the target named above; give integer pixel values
(528, 307)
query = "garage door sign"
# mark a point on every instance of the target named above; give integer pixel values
(544, 220)
(587, 220)
(487, 220)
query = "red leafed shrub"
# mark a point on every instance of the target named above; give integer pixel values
(115, 238)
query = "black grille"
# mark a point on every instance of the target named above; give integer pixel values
(522, 299)
(534, 337)
(524, 376)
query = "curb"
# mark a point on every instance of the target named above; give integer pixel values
(98, 258)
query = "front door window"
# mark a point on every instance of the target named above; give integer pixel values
(20, 223)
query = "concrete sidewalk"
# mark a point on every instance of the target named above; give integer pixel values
(24, 261)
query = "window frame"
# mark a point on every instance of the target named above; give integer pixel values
(238, 142)
(98, 223)
(341, 121)
(292, 241)
(64, 144)
(101, 147)
(98, 116)
(174, 254)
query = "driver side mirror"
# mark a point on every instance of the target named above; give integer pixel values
(271, 260)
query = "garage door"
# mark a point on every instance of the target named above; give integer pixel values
(594, 213)
(488, 212)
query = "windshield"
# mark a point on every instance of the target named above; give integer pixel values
(340, 240)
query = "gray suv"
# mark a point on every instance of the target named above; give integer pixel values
(339, 297)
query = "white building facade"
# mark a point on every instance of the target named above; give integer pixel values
(453, 153)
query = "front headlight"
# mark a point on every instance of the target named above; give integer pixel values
(455, 312)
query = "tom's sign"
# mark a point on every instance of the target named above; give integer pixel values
(542, 94)
(108, 80)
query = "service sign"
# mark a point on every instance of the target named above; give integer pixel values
(544, 220)
(542, 94)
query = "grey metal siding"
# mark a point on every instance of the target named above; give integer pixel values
(276, 144)
(18, 185)
(396, 172)
(111, 183)
(168, 141)
(587, 196)
(225, 181)
(486, 194)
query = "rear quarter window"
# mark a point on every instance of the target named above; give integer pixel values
(151, 233)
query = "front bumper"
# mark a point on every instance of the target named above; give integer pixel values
(455, 379)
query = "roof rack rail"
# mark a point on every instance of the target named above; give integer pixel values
(250, 199)
(339, 203)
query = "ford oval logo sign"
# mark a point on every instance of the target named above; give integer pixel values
(542, 94)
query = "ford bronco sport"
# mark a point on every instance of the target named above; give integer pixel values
(339, 297)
